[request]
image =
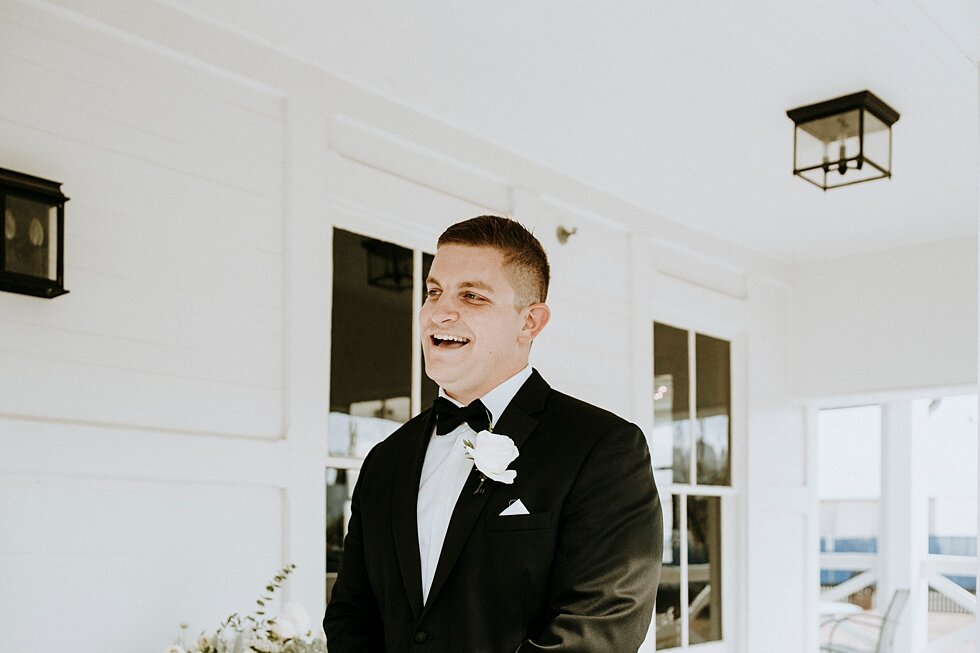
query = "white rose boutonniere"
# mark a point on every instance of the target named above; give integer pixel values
(491, 453)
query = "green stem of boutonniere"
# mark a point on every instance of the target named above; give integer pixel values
(479, 488)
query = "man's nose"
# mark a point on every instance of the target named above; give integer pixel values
(444, 311)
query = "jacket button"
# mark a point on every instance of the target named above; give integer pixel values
(421, 637)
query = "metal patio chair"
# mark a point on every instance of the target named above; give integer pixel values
(884, 626)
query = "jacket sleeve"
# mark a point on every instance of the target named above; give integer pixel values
(352, 621)
(609, 552)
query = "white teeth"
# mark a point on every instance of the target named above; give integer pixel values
(442, 336)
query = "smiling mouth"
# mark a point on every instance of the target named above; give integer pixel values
(446, 341)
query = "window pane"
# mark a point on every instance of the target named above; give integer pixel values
(713, 375)
(340, 485)
(671, 450)
(371, 342)
(668, 613)
(704, 568)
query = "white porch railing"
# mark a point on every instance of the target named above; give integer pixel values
(864, 563)
(936, 569)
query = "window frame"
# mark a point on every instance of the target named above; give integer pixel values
(730, 495)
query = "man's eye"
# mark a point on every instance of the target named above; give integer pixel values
(432, 292)
(472, 297)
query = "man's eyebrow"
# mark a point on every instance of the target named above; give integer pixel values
(477, 285)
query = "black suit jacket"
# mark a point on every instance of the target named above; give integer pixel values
(577, 574)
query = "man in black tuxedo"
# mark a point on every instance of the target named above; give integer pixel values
(449, 552)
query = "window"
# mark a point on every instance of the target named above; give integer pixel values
(376, 378)
(691, 449)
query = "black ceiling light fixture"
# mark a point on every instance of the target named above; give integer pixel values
(32, 259)
(843, 141)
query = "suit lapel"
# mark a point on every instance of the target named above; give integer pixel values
(404, 516)
(517, 423)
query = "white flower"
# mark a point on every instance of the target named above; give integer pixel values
(491, 453)
(264, 645)
(283, 628)
(298, 619)
(174, 649)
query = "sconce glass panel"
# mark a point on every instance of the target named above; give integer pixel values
(30, 238)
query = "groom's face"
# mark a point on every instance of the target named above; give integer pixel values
(473, 335)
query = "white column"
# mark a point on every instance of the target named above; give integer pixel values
(904, 539)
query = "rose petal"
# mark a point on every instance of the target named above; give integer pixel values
(492, 453)
(507, 476)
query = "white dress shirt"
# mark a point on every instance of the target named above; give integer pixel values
(444, 473)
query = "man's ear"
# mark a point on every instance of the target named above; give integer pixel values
(536, 316)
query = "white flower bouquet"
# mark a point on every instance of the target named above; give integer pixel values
(290, 632)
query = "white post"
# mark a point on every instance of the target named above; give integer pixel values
(903, 542)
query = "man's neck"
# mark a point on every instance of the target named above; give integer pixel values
(468, 398)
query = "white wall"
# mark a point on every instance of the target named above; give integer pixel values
(901, 319)
(163, 425)
(154, 420)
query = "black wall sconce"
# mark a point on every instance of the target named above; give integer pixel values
(32, 259)
(843, 141)
(388, 265)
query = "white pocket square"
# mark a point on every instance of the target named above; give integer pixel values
(516, 507)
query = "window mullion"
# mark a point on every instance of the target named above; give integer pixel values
(684, 588)
(692, 391)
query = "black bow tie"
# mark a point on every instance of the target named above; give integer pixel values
(449, 415)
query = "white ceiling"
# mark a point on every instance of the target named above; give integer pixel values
(678, 106)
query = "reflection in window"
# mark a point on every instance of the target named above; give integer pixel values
(668, 611)
(713, 410)
(340, 485)
(370, 365)
(704, 568)
(371, 345)
(694, 581)
(671, 448)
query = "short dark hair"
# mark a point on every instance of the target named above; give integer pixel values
(523, 253)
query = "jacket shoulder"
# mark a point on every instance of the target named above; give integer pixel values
(566, 407)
